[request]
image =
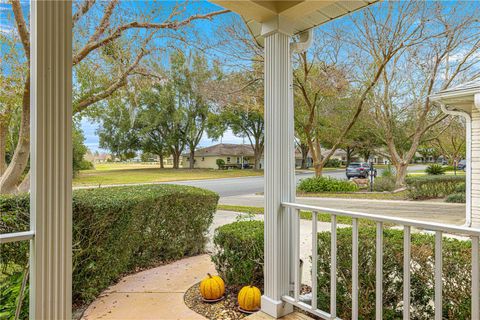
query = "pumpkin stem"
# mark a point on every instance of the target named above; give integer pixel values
(208, 274)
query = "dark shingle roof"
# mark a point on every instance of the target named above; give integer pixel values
(226, 149)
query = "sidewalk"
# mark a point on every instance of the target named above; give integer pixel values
(429, 211)
(154, 294)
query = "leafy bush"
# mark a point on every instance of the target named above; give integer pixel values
(220, 163)
(85, 165)
(456, 274)
(435, 169)
(384, 183)
(326, 184)
(458, 197)
(238, 254)
(427, 187)
(239, 259)
(389, 171)
(117, 231)
(461, 187)
(333, 163)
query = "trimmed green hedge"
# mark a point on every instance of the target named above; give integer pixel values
(239, 259)
(119, 230)
(238, 253)
(427, 187)
(326, 184)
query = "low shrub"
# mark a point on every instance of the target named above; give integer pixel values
(435, 169)
(458, 197)
(85, 165)
(326, 184)
(220, 163)
(384, 183)
(239, 259)
(238, 255)
(118, 230)
(333, 163)
(427, 187)
(461, 187)
(389, 171)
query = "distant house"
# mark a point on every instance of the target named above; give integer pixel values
(97, 157)
(232, 154)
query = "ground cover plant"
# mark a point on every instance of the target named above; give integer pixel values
(326, 184)
(432, 186)
(115, 231)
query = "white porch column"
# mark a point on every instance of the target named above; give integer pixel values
(279, 166)
(51, 160)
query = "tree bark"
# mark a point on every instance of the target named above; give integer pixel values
(13, 173)
(304, 150)
(192, 159)
(3, 147)
(160, 157)
(401, 168)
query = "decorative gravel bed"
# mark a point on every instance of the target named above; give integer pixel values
(225, 309)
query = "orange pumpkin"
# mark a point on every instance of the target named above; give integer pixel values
(212, 287)
(249, 298)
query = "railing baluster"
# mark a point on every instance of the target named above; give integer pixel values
(379, 273)
(333, 268)
(314, 259)
(354, 269)
(438, 275)
(296, 255)
(475, 279)
(406, 271)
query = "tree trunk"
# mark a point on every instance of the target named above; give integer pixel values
(3, 147)
(257, 158)
(13, 174)
(176, 159)
(192, 158)
(401, 168)
(160, 157)
(318, 168)
(349, 155)
(304, 150)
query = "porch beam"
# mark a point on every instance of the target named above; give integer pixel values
(51, 160)
(279, 167)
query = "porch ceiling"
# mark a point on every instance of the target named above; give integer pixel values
(302, 14)
(461, 97)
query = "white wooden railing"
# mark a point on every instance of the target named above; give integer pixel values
(440, 229)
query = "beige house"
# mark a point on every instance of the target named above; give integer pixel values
(232, 154)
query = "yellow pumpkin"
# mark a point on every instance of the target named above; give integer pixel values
(212, 287)
(249, 298)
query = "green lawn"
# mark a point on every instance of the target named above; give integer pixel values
(122, 173)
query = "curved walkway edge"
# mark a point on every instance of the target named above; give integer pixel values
(154, 294)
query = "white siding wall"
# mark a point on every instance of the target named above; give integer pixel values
(475, 167)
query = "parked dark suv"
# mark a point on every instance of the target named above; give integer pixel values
(358, 170)
(462, 164)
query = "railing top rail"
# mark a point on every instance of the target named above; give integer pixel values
(432, 226)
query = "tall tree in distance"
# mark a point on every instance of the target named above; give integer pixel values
(96, 25)
(443, 51)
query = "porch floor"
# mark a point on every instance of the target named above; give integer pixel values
(292, 316)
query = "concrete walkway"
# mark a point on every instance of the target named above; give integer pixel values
(430, 211)
(154, 294)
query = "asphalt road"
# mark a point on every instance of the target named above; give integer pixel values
(249, 185)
